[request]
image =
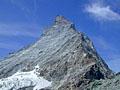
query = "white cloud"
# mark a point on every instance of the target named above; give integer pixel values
(102, 12)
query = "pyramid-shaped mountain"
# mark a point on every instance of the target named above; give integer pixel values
(63, 56)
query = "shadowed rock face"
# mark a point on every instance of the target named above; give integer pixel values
(65, 56)
(94, 73)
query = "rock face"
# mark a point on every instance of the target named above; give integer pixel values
(65, 56)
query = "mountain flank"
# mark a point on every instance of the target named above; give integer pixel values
(65, 58)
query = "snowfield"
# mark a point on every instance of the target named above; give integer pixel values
(24, 79)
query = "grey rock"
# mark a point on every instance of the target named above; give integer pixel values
(65, 56)
(107, 84)
(26, 88)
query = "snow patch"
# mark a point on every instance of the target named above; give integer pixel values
(24, 79)
(84, 54)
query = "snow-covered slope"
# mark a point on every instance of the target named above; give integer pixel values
(24, 79)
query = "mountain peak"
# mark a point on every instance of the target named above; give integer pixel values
(61, 20)
(68, 59)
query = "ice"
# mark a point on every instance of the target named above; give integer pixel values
(24, 79)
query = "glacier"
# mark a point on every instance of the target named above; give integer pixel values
(24, 79)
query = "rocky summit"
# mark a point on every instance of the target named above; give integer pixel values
(62, 59)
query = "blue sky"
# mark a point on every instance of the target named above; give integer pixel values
(23, 21)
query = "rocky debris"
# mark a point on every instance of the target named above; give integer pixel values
(107, 84)
(65, 57)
